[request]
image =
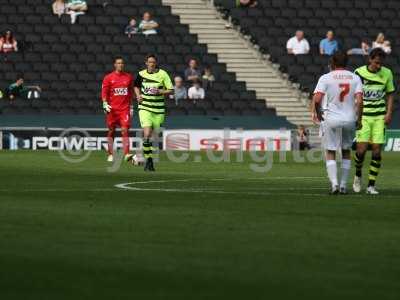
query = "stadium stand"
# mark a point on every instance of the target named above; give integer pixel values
(273, 22)
(69, 61)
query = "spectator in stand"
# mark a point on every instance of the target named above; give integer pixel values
(298, 44)
(18, 89)
(329, 45)
(192, 72)
(208, 78)
(364, 50)
(8, 43)
(59, 8)
(302, 138)
(147, 25)
(387, 47)
(196, 92)
(76, 8)
(131, 28)
(246, 3)
(180, 91)
(380, 42)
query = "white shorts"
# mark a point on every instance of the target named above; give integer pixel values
(337, 134)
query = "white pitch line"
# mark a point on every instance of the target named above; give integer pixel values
(129, 187)
(59, 190)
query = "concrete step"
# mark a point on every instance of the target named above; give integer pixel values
(300, 119)
(254, 77)
(182, 1)
(247, 61)
(291, 109)
(207, 26)
(216, 36)
(290, 114)
(224, 40)
(262, 81)
(184, 5)
(285, 104)
(198, 11)
(236, 55)
(249, 75)
(243, 64)
(197, 16)
(224, 46)
(199, 20)
(207, 30)
(228, 56)
(232, 50)
(276, 97)
(190, 6)
(267, 91)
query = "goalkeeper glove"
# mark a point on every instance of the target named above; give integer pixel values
(106, 107)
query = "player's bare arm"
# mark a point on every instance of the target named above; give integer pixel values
(359, 109)
(165, 92)
(389, 108)
(138, 94)
(316, 111)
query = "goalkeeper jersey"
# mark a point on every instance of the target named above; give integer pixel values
(117, 89)
(146, 82)
(375, 88)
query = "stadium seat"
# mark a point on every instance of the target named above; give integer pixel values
(69, 61)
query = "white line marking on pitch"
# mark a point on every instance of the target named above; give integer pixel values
(130, 186)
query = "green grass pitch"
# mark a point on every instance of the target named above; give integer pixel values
(193, 231)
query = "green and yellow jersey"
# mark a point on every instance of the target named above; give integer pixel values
(146, 82)
(375, 88)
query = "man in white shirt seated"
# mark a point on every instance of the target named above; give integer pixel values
(298, 44)
(76, 8)
(196, 91)
(147, 25)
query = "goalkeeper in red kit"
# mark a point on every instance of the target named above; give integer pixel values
(116, 94)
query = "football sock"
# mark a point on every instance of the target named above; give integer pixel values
(125, 141)
(332, 172)
(110, 140)
(346, 165)
(374, 169)
(147, 149)
(359, 160)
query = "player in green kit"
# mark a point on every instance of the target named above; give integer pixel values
(152, 85)
(378, 88)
